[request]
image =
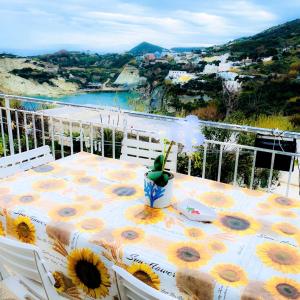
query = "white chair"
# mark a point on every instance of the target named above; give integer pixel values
(23, 271)
(131, 288)
(144, 152)
(24, 161)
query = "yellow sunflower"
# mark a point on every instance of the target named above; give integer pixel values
(59, 281)
(229, 275)
(45, 169)
(281, 257)
(142, 214)
(253, 193)
(287, 214)
(194, 233)
(129, 234)
(124, 191)
(216, 199)
(66, 212)
(88, 272)
(220, 185)
(188, 255)
(145, 273)
(85, 180)
(120, 175)
(217, 246)
(95, 205)
(26, 199)
(49, 185)
(283, 202)
(285, 229)
(2, 232)
(283, 288)
(10, 225)
(237, 223)
(83, 198)
(265, 206)
(24, 230)
(90, 225)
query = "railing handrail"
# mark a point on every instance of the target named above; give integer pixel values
(220, 125)
(53, 129)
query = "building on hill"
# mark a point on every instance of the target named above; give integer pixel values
(149, 57)
(210, 69)
(180, 77)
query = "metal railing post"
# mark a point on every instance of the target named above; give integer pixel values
(9, 127)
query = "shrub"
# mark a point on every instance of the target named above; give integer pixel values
(275, 121)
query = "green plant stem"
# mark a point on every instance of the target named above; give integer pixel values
(167, 155)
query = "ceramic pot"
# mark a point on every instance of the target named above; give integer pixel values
(158, 196)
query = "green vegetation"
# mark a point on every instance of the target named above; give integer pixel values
(35, 74)
(144, 48)
(267, 42)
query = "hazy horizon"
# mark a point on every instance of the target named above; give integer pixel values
(37, 27)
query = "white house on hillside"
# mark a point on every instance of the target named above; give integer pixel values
(180, 77)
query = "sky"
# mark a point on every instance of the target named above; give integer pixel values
(41, 26)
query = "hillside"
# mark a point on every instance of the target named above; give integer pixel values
(268, 42)
(144, 48)
(22, 76)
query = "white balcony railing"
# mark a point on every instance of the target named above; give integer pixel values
(27, 123)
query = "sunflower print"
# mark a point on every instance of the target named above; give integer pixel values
(194, 233)
(265, 206)
(283, 288)
(95, 205)
(287, 214)
(283, 202)
(88, 272)
(144, 272)
(220, 185)
(24, 230)
(217, 246)
(237, 223)
(124, 191)
(283, 258)
(49, 185)
(90, 225)
(83, 198)
(216, 199)
(45, 169)
(142, 214)
(188, 255)
(26, 199)
(120, 175)
(285, 229)
(59, 282)
(66, 212)
(229, 275)
(129, 235)
(85, 180)
(2, 232)
(253, 193)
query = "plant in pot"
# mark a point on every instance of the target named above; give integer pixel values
(158, 183)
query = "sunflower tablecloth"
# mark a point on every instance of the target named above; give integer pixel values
(86, 213)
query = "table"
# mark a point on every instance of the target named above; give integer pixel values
(86, 213)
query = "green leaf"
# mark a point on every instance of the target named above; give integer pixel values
(155, 175)
(158, 163)
(165, 179)
(162, 180)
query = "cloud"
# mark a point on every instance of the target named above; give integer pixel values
(248, 10)
(118, 25)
